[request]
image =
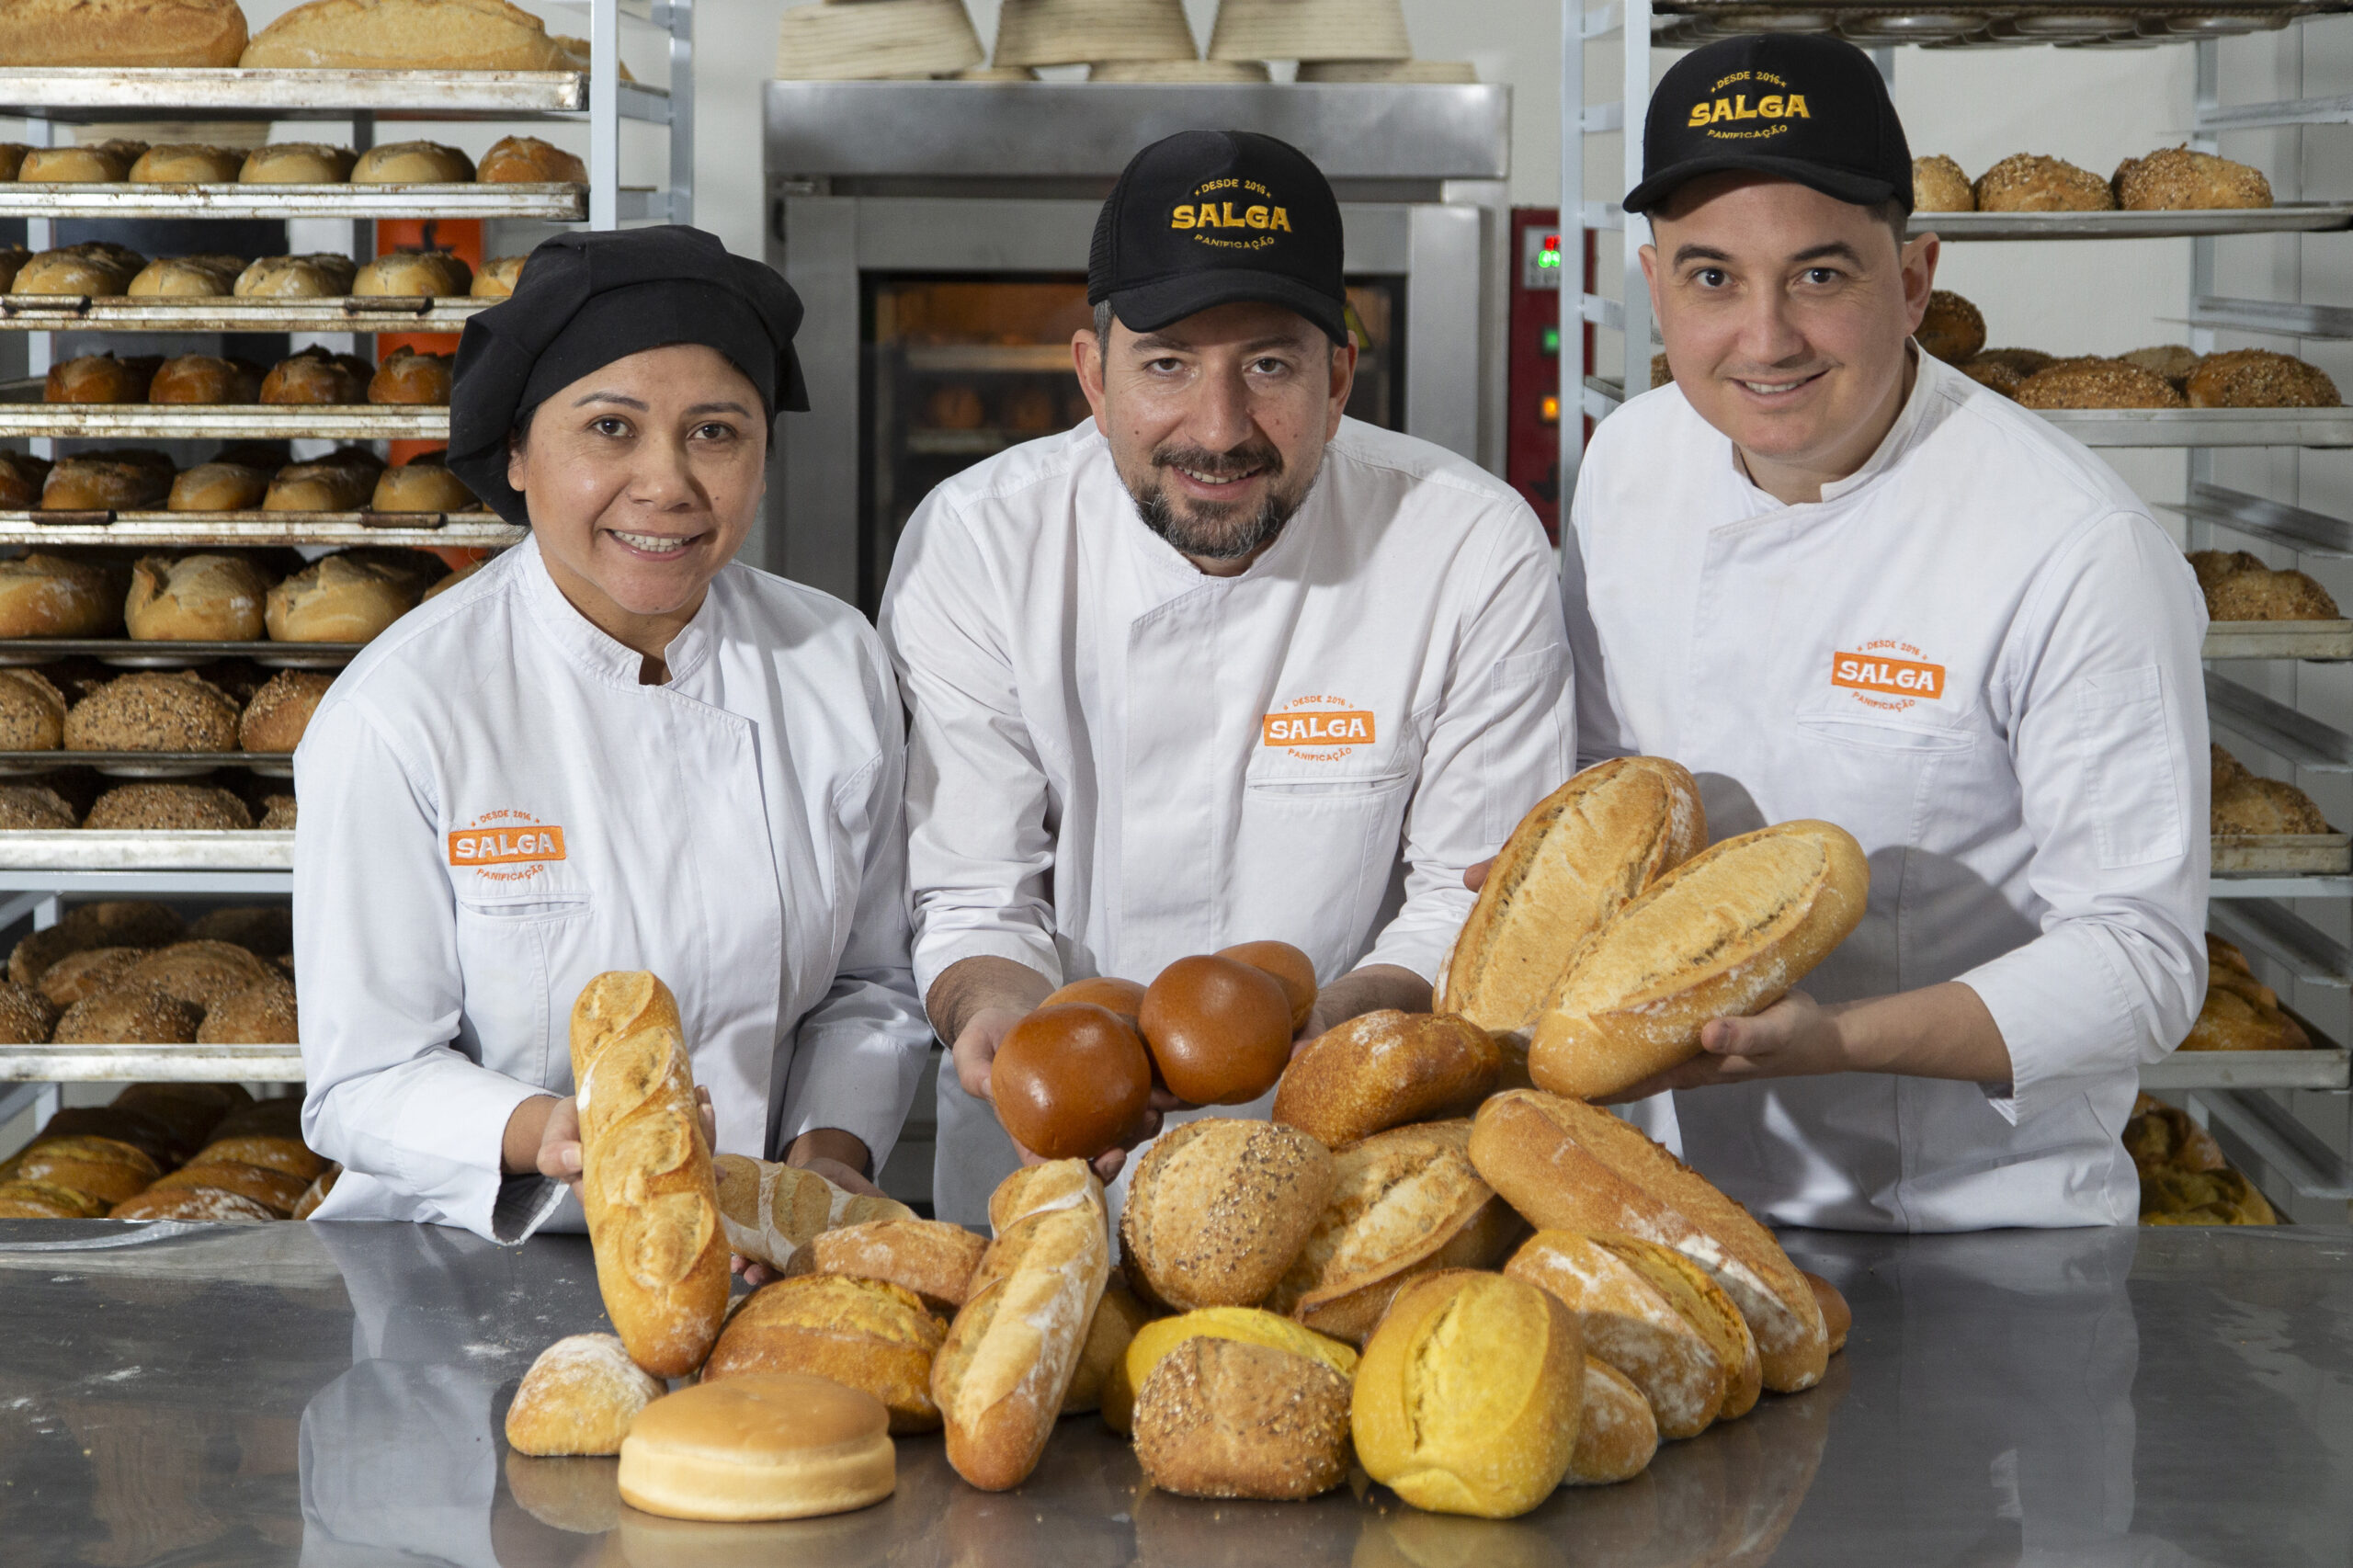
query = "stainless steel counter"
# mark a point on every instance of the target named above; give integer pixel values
(332, 1394)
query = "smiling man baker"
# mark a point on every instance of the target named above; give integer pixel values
(1217, 665)
(1838, 579)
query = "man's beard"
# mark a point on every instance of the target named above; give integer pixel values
(1219, 530)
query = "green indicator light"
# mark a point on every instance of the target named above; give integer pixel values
(1548, 259)
(1551, 341)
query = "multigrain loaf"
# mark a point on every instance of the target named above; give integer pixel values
(169, 808)
(264, 1013)
(26, 1016)
(1568, 1165)
(1218, 1209)
(1383, 1069)
(34, 808)
(769, 1210)
(274, 720)
(2178, 178)
(114, 923)
(863, 1334)
(153, 710)
(1222, 1419)
(32, 712)
(2028, 182)
(129, 1015)
(200, 974)
(1951, 328)
(580, 1396)
(1586, 851)
(2097, 383)
(77, 977)
(1251, 1325)
(2258, 377)
(1724, 934)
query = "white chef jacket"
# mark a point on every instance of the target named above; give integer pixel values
(494, 812)
(1118, 760)
(1979, 655)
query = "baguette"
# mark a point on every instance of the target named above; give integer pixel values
(1383, 1069)
(1588, 849)
(1001, 1376)
(1724, 934)
(1567, 1165)
(770, 1212)
(646, 1178)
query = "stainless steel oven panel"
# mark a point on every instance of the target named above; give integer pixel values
(828, 244)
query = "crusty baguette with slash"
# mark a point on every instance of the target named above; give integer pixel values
(645, 1176)
(1586, 850)
(1384, 1069)
(1725, 933)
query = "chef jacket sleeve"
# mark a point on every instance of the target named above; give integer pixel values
(1600, 731)
(2107, 726)
(375, 941)
(859, 1054)
(1500, 739)
(980, 853)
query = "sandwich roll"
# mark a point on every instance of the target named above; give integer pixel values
(186, 276)
(1383, 1069)
(1219, 1031)
(412, 162)
(580, 1397)
(1010, 1356)
(1224, 1418)
(1124, 997)
(1219, 1207)
(646, 1184)
(1588, 851)
(1069, 1082)
(1616, 1433)
(1568, 1165)
(1724, 934)
(931, 1257)
(528, 160)
(769, 1210)
(296, 163)
(763, 1446)
(1104, 1355)
(1293, 970)
(1249, 1326)
(187, 164)
(102, 162)
(862, 1334)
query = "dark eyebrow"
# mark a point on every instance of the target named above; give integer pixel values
(720, 408)
(1698, 252)
(621, 398)
(1153, 342)
(1839, 249)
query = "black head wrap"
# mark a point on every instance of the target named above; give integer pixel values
(586, 299)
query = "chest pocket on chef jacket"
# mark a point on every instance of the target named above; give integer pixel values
(505, 948)
(1315, 851)
(1878, 774)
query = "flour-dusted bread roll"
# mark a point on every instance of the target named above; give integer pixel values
(119, 33)
(106, 1169)
(206, 1205)
(409, 273)
(580, 1397)
(765, 1446)
(412, 163)
(1616, 1434)
(1725, 933)
(498, 277)
(1001, 1376)
(182, 162)
(863, 1334)
(186, 276)
(769, 1210)
(931, 1257)
(1584, 852)
(1939, 186)
(99, 378)
(273, 1189)
(195, 598)
(1218, 1209)
(528, 160)
(95, 267)
(1383, 1069)
(424, 483)
(1224, 1418)
(1569, 1165)
(322, 275)
(405, 35)
(338, 599)
(645, 1177)
(296, 163)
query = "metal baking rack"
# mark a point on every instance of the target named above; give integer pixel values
(561, 203)
(371, 314)
(147, 1064)
(144, 765)
(2315, 640)
(108, 850)
(174, 421)
(437, 531)
(131, 654)
(2286, 217)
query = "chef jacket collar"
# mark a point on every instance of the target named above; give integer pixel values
(587, 645)
(1900, 439)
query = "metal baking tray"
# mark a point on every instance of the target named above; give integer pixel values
(2313, 854)
(439, 530)
(144, 765)
(2280, 639)
(151, 1063)
(122, 199)
(381, 313)
(134, 655)
(2327, 1066)
(174, 421)
(110, 849)
(2206, 426)
(110, 93)
(2293, 217)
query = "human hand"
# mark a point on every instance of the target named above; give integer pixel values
(559, 1153)
(1793, 1038)
(1476, 876)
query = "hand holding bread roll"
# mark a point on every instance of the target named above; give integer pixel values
(1292, 970)
(1071, 1081)
(645, 1177)
(1220, 1029)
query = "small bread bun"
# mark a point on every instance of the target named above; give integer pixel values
(201, 974)
(1939, 186)
(265, 930)
(2174, 179)
(580, 1397)
(218, 487)
(296, 163)
(316, 376)
(21, 477)
(1953, 329)
(2097, 383)
(102, 163)
(2028, 182)
(763, 1446)
(339, 599)
(187, 164)
(1124, 997)
(1384, 1069)
(864, 1333)
(46, 1200)
(197, 598)
(498, 277)
(1217, 1209)
(208, 1205)
(129, 1014)
(1224, 1418)
(32, 712)
(406, 273)
(169, 808)
(279, 711)
(26, 1016)
(201, 378)
(2257, 378)
(406, 376)
(273, 1190)
(412, 163)
(186, 276)
(526, 160)
(1616, 1434)
(153, 710)
(1071, 1081)
(424, 483)
(1219, 1031)
(1837, 1315)
(95, 268)
(34, 808)
(261, 1014)
(1293, 969)
(77, 977)
(48, 595)
(931, 1257)
(99, 378)
(320, 276)
(277, 813)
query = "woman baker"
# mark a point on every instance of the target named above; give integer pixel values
(613, 747)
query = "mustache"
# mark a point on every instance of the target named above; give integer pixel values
(1248, 458)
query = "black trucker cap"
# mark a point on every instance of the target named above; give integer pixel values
(1803, 105)
(1206, 218)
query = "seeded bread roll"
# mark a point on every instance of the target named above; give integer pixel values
(2028, 182)
(581, 1396)
(169, 808)
(1251, 1325)
(26, 1016)
(1383, 1069)
(498, 277)
(103, 163)
(412, 163)
(408, 273)
(2262, 807)
(186, 276)
(863, 1334)
(263, 930)
(77, 977)
(187, 164)
(32, 712)
(2257, 378)
(1218, 1209)
(129, 1014)
(117, 33)
(123, 479)
(21, 477)
(2173, 361)
(201, 974)
(1953, 329)
(322, 275)
(34, 807)
(281, 709)
(153, 710)
(2178, 180)
(297, 162)
(315, 376)
(2097, 383)
(201, 378)
(95, 268)
(218, 487)
(1221, 1419)
(2261, 595)
(526, 160)
(99, 378)
(264, 1013)
(1939, 186)
(277, 813)
(340, 599)
(424, 483)
(408, 377)
(195, 598)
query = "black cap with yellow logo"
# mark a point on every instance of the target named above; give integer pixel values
(1806, 106)
(1208, 218)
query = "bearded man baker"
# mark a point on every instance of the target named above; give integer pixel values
(1217, 665)
(1839, 579)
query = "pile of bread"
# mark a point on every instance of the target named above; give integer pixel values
(516, 160)
(213, 596)
(2239, 1012)
(370, 35)
(2171, 180)
(2185, 1180)
(158, 710)
(99, 269)
(243, 476)
(131, 974)
(2239, 586)
(203, 1151)
(315, 375)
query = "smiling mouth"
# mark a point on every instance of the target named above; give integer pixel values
(1197, 477)
(1777, 389)
(654, 544)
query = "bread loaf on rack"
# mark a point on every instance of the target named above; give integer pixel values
(153, 710)
(340, 481)
(21, 477)
(186, 276)
(32, 712)
(424, 483)
(406, 34)
(408, 377)
(338, 599)
(205, 597)
(95, 268)
(316, 376)
(184, 162)
(296, 163)
(412, 162)
(278, 713)
(49, 596)
(645, 1179)
(102, 162)
(322, 275)
(121, 32)
(201, 378)
(169, 808)
(218, 487)
(404, 274)
(528, 160)
(498, 277)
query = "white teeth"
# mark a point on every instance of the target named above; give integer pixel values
(1214, 478)
(658, 544)
(1773, 389)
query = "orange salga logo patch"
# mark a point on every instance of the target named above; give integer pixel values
(506, 846)
(1344, 728)
(1895, 677)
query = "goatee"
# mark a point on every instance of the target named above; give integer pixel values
(1218, 530)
